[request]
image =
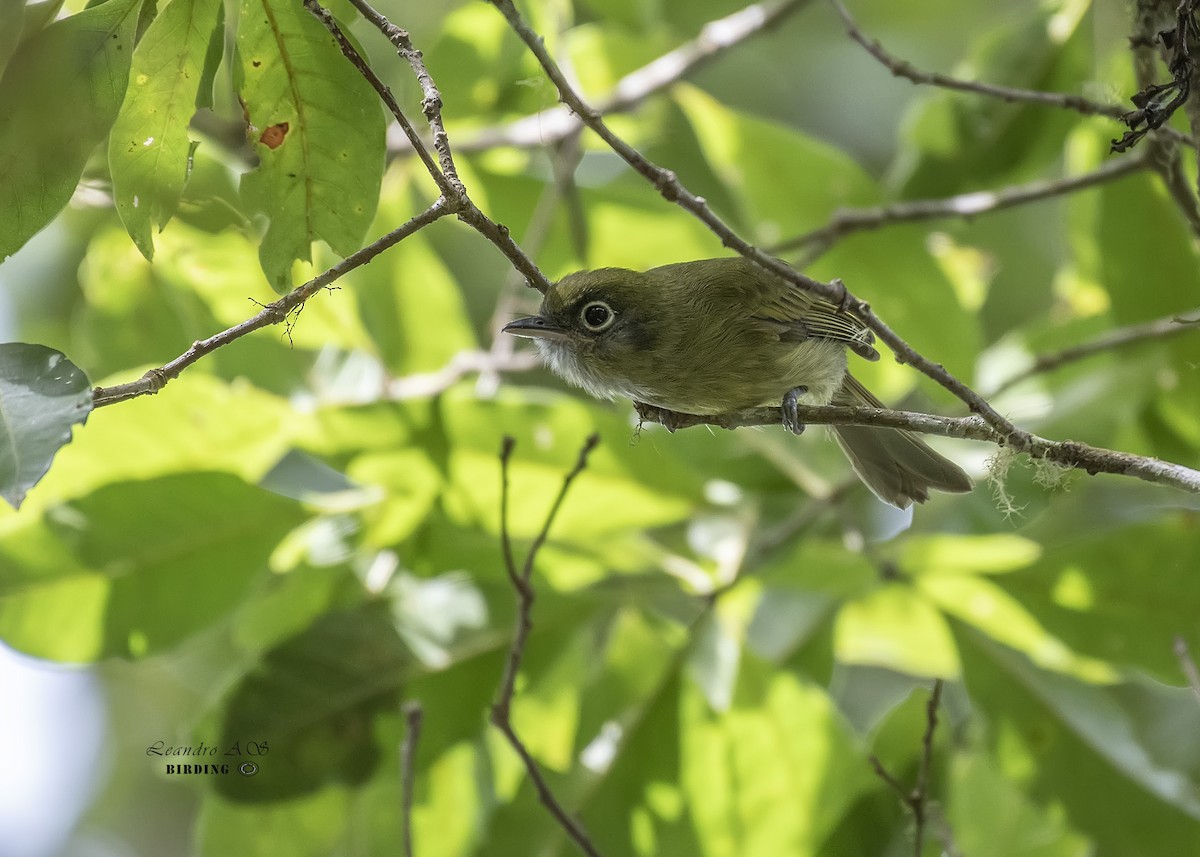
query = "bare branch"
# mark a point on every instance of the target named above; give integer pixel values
(673, 190)
(902, 68)
(965, 205)
(916, 799)
(431, 100)
(501, 715)
(1162, 328)
(444, 173)
(273, 313)
(715, 38)
(461, 364)
(1067, 453)
(408, 763)
(360, 64)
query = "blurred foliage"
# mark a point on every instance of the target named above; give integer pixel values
(277, 551)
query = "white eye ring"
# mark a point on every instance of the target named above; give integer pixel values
(597, 316)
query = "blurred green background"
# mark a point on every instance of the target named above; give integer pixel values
(302, 532)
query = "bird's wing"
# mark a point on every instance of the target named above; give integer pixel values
(801, 316)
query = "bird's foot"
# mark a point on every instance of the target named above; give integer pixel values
(791, 421)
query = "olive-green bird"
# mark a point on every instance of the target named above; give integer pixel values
(721, 335)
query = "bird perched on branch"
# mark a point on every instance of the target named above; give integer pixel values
(721, 335)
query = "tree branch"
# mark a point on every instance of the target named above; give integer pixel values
(715, 38)
(273, 313)
(915, 799)
(1067, 453)
(1162, 328)
(444, 173)
(902, 68)
(408, 763)
(673, 190)
(501, 715)
(1161, 153)
(965, 205)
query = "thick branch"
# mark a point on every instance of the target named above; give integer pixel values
(1067, 453)
(674, 191)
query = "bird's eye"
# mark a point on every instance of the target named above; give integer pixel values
(597, 316)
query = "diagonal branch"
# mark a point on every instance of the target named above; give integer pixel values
(444, 173)
(715, 38)
(673, 190)
(273, 313)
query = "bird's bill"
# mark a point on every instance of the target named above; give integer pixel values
(534, 327)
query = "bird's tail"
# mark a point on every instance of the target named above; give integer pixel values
(896, 465)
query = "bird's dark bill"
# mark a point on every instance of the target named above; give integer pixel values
(534, 327)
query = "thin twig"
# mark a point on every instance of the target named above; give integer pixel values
(444, 172)
(431, 98)
(1190, 672)
(510, 565)
(1068, 453)
(965, 205)
(385, 94)
(501, 715)
(916, 798)
(715, 38)
(902, 68)
(1162, 328)
(408, 763)
(669, 186)
(273, 313)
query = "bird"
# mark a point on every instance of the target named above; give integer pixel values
(714, 336)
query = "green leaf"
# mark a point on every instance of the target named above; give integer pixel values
(412, 307)
(198, 423)
(306, 826)
(991, 817)
(636, 487)
(897, 628)
(137, 566)
(59, 95)
(784, 181)
(774, 774)
(314, 698)
(149, 148)
(42, 394)
(12, 20)
(1093, 751)
(319, 134)
(956, 140)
